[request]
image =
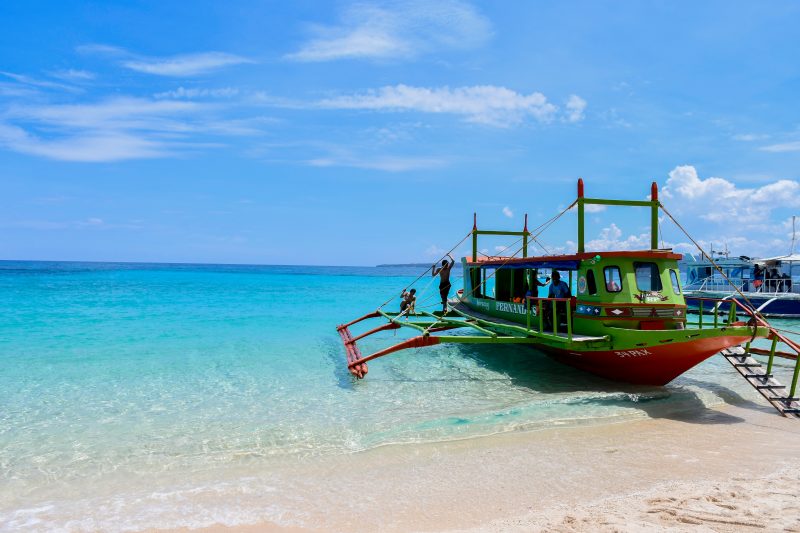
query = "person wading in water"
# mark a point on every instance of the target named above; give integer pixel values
(444, 279)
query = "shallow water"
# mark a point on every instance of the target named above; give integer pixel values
(119, 380)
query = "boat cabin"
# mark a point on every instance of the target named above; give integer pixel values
(627, 289)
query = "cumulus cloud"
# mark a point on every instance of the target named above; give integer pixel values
(575, 107)
(396, 30)
(594, 208)
(716, 199)
(485, 104)
(610, 238)
(508, 212)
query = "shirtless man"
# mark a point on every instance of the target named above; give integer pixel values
(444, 279)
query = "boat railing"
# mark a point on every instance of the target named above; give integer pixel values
(762, 285)
(777, 338)
(779, 285)
(712, 306)
(540, 304)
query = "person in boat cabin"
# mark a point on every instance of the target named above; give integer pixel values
(533, 292)
(558, 289)
(444, 279)
(409, 299)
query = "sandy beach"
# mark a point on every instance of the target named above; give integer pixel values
(727, 469)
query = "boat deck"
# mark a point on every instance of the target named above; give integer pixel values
(467, 310)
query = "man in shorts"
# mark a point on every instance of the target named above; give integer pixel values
(444, 279)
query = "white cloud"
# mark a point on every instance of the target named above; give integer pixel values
(184, 65)
(116, 129)
(594, 208)
(610, 238)
(749, 137)
(486, 104)
(782, 147)
(434, 251)
(33, 82)
(73, 75)
(508, 212)
(86, 147)
(184, 93)
(172, 66)
(575, 107)
(720, 200)
(396, 30)
(384, 163)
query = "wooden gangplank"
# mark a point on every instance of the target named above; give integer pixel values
(756, 375)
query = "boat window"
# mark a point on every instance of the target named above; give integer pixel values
(647, 276)
(488, 283)
(591, 284)
(613, 279)
(676, 287)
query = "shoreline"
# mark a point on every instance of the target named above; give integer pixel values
(667, 473)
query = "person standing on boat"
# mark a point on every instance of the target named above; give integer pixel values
(444, 279)
(558, 289)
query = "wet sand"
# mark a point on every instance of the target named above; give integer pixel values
(729, 469)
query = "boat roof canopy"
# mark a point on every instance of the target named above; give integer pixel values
(790, 257)
(568, 262)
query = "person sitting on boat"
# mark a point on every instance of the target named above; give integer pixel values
(409, 299)
(444, 279)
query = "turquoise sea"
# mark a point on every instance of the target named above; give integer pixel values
(127, 384)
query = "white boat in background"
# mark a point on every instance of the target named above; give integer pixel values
(772, 284)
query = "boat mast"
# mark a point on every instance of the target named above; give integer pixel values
(794, 235)
(652, 204)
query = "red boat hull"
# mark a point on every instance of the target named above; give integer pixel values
(652, 365)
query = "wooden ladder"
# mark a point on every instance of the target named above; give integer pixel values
(759, 378)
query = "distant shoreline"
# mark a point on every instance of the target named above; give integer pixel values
(457, 265)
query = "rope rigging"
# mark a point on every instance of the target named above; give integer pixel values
(756, 314)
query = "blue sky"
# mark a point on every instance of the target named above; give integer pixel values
(368, 132)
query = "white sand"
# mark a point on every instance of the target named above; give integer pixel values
(732, 469)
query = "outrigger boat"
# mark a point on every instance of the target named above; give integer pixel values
(626, 321)
(771, 285)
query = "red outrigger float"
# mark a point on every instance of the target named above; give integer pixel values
(627, 320)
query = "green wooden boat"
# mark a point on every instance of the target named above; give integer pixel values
(625, 319)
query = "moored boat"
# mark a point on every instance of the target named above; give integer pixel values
(623, 316)
(771, 286)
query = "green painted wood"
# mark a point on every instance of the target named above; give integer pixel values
(630, 203)
(497, 232)
(772, 355)
(580, 225)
